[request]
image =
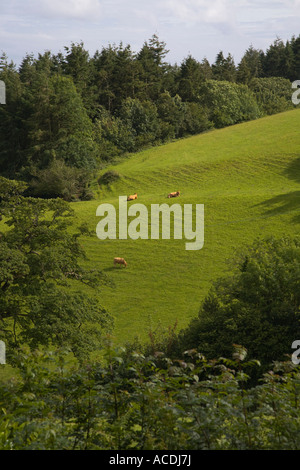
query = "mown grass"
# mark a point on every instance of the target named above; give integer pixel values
(248, 178)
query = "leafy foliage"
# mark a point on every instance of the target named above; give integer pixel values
(258, 306)
(228, 103)
(60, 180)
(109, 177)
(136, 402)
(273, 94)
(40, 260)
(85, 110)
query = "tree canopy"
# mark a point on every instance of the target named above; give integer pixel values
(75, 110)
(40, 265)
(258, 306)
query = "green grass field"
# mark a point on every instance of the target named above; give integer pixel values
(248, 178)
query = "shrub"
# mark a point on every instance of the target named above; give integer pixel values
(273, 94)
(108, 178)
(60, 180)
(131, 403)
(228, 103)
(258, 306)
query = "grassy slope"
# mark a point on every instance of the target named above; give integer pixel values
(248, 178)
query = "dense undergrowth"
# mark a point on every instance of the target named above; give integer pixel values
(136, 402)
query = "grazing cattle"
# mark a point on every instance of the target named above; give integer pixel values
(132, 197)
(176, 194)
(120, 261)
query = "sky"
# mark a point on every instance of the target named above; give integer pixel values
(200, 28)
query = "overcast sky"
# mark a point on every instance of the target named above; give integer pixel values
(198, 27)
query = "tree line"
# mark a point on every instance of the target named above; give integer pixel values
(69, 113)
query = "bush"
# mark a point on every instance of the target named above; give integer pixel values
(228, 103)
(273, 94)
(108, 178)
(258, 306)
(60, 180)
(131, 403)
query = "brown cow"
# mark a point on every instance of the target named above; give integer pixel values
(120, 261)
(176, 194)
(132, 197)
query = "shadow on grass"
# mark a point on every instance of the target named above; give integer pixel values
(288, 202)
(282, 204)
(114, 268)
(293, 170)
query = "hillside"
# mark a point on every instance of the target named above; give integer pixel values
(248, 178)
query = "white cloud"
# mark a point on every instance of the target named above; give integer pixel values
(213, 12)
(199, 27)
(293, 3)
(219, 12)
(62, 9)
